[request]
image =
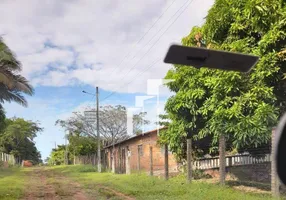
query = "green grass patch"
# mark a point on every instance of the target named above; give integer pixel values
(142, 186)
(12, 183)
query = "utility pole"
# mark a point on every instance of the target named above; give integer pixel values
(66, 150)
(98, 135)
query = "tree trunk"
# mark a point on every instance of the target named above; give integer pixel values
(222, 172)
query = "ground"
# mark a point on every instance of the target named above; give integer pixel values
(81, 182)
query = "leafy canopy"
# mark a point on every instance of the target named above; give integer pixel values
(243, 107)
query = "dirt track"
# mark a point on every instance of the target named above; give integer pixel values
(49, 185)
(44, 184)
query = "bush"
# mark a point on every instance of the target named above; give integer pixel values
(199, 174)
(85, 168)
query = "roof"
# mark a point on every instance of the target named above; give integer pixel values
(136, 136)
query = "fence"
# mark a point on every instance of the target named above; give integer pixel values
(7, 159)
(236, 160)
(86, 160)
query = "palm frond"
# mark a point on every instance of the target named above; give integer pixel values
(7, 95)
(22, 85)
(7, 57)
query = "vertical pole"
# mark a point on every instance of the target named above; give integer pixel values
(166, 162)
(151, 160)
(66, 152)
(189, 160)
(127, 161)
(97, 130)
(113, 160)
(138, 159)
(222, 159)
(274, 177)
(120, 160)
(74, 157)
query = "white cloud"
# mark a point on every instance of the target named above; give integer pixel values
(69, 42)
(85, 33)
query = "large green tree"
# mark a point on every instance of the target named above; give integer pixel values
(243, 107)
(12, 84)
(17, 138)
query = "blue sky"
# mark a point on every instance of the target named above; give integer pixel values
(69, 46)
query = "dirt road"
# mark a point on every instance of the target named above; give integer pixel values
(47, 184)
(44, 184)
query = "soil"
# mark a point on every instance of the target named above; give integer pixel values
(46, 184)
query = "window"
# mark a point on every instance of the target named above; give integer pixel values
(140, 150)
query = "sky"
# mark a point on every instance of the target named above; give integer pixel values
(72, 45)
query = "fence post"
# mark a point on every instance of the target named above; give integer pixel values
(138, 158)
(151, 160)
(222, 159)
(189, 160)
(166, 162)
(127, 161)
(274, 177)
(113, 161)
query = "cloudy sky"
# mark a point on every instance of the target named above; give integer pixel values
(72, 45)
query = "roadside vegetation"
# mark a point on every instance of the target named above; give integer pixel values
(12, 183)
(141, 186)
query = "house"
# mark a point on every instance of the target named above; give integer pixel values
(134, 154)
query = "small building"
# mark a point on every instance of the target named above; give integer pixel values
(134, 154)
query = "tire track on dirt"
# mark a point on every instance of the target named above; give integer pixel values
(43, 184)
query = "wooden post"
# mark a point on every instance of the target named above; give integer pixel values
(127, 161)
(138, 158)
(120, 161)
(222, 159)
(166, 162)
(189, 160)
(103, 161)
(151, 161)
(113, 161)
(274, 176)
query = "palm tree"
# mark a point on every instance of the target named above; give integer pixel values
(12, 84)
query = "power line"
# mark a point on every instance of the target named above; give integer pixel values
(182, 11)
(151, 47)
(160, 29)
(126, 55)
(112, 93)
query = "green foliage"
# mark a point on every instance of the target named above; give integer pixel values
(12, 183)
(244, 107)
(146, 187)
(12, 84)
(57, 156)
(17, 137)
(81, 145)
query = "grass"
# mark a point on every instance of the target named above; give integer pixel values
(12, 183)
(142, 186)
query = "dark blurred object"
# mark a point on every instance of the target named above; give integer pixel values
(213, 59)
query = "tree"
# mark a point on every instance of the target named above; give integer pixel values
(12, 84)
(243, 107)
(17, 139)
(112, 124)
(82, 145)
(138, 121)
(57, 156)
